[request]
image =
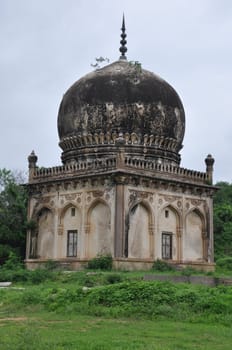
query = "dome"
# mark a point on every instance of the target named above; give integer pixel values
(121, 99)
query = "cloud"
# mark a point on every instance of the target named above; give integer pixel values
(47, 45)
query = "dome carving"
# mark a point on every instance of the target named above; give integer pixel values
(121, 99)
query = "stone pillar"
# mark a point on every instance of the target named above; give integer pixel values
(119, 217)
(209, 161)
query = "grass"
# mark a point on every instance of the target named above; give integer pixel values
(50, 331)
(118, 311)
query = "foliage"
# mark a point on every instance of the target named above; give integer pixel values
(13, 212)
(224, 195)
(161, 265)
(225, 263)
(130, 298)
(101, 262)
(51, 265)
(223, 220)
(114, 278)
(13, 262)
(188, 271)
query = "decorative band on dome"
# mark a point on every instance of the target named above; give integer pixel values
(82, 140)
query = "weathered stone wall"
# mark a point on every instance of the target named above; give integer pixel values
(133, 231)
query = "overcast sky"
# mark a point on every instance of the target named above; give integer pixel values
(46, 45)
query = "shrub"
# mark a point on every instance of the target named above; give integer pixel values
(13, 262)
(160, 265)
(113, 278)
(17, 275)
(225, 263)
(101, 262)
(188, 271)
(40, 275)
(51, 265)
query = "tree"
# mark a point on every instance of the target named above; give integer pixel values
(223, 220)
(13, 215)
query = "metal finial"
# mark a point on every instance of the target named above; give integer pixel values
(123, 48)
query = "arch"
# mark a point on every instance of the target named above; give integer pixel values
(64, 210)
(37, 210)
(42, 239)
(194, 237)
(139, 231)
(169, 237)
(70, 230)
(98, 228)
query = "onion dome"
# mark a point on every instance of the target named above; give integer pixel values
(121, 100)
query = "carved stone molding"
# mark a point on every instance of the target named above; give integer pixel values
(135, 195)
(70, 196)
(170, 199)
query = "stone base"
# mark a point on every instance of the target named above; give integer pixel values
(121, 264)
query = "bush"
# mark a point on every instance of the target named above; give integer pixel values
(51, 265)
(4, 252)
(225, 263)
(14, 275)
(40, 275)
(113, 278)
(160, 265)
(101, 262)
(13, 262)
(188, 271)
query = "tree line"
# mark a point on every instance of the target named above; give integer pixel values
(13, 217)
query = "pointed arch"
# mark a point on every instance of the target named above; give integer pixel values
(194, 237)
(70, 230)
(38, 209)
(139, 233)
(64, 210)
(169, 237)
(98, 229)
(42, 240)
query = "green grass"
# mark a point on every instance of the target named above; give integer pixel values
(50, 331)
(118, 311)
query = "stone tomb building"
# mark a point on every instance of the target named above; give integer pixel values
(121, 190)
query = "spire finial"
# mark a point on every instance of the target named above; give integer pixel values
(123, 48)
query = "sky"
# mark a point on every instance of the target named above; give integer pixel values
(46, 45)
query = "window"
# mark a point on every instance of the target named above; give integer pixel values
(72, 243)
(73, 211)
(166, 213)
(166, 245)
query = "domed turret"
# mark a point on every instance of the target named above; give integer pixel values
(121, 99)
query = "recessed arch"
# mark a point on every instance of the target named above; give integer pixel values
(64, 210)
(168, 239)
(139, 231)
(194, 236)
(43, 238)
(38, 209)
(98, 228)
(70, 230)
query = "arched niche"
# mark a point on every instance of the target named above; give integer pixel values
(139, 232)
(100, 239)
(45, 234)
(193, 237)
(70, 230)
(169, 228)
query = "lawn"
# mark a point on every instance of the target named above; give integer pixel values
(52, 331)
(51, 310)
